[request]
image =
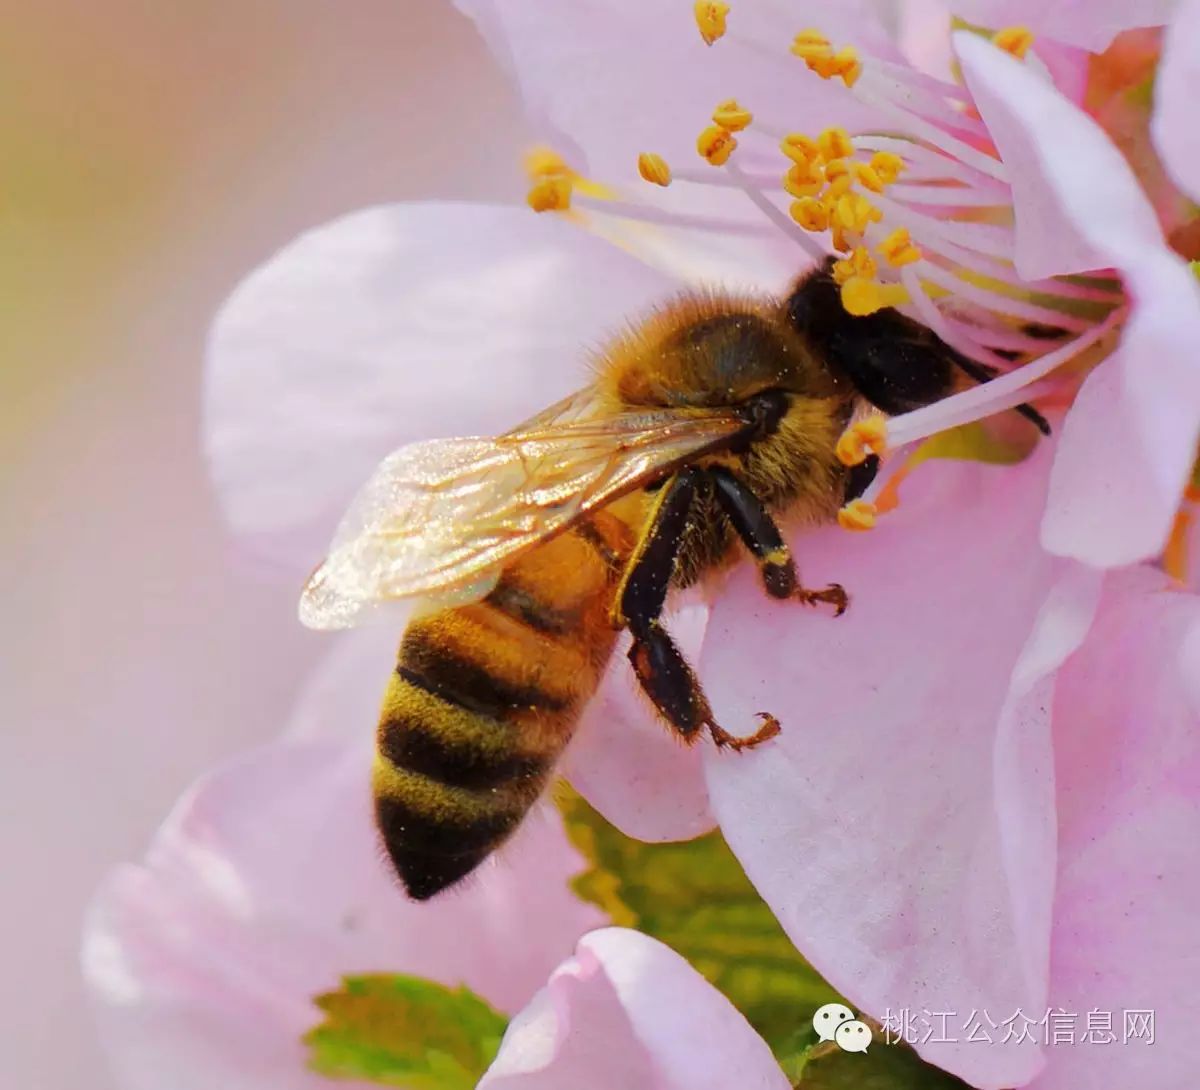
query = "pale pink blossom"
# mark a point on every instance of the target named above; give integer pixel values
(264, 888)
(1130, 442)
(921, 827)
(627, 1011)
(1176, 134)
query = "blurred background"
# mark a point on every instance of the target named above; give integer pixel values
(151, 155)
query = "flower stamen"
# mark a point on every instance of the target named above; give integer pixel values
(858, 515)
(710, 19)
(1014, 39)
(812, 47)
(552, 180)
(716, 145)
(868, 435)
(550, 194)
(729, 115)
(653, 168)
(861, 296)
(898, 248)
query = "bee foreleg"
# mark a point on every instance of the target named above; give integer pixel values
(762, 538)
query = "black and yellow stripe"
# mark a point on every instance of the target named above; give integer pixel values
(483, 700)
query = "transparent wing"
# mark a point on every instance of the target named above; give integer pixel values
(442, 516)
(581, 405)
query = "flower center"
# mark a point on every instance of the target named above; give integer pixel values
(919, 210)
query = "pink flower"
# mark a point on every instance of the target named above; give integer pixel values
(929, 827)
(1175, 131)
(264, 888)
(627, 1011)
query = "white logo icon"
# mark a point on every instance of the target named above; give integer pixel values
(853, 1036)
(836, 1022)
(829, 1017)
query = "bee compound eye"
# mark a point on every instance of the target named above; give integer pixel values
(766, 408)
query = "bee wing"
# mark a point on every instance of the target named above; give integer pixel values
(443, 516)
(581, 405)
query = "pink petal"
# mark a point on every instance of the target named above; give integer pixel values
(627, 1011)
(1078, 205)
(1091, 24)
(1129, 442)
(1176, 133)
(901, 827)
(628, 764)
(605, 82)
(1127, 756)
(263, 888)
(391, 325)
(617, 79)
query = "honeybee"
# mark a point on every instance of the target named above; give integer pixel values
(705, 424)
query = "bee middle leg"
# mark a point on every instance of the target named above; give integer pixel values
(658, 664)
(762, 538)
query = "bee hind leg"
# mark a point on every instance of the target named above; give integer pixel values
(762, 538)
(658, 664)
(675, 691)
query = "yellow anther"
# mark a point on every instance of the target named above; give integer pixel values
(858, 263)
(800, 148)
(844, 63)
(858, 515)
(810, 214)
(836, 168)
(863, 437)
(850, 67)
(654, 168)
(838, 239)
(861, 297)
(811, 44)
(1015, 40)
(898, 248)
(838, 188)
(868, 177)
(710, 19)
(729, 115)
(835, 144)
(550, 194)
(888, 165)
(800, 182)
(854, 212)
(543, 162)
(716, 145)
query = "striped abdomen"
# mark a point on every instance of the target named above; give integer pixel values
(483, 700)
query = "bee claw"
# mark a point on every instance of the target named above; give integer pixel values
(834, 594)
(769, 729)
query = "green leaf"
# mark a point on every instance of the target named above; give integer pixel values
(405, 1031)
(882, 1067)
(695, 897)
